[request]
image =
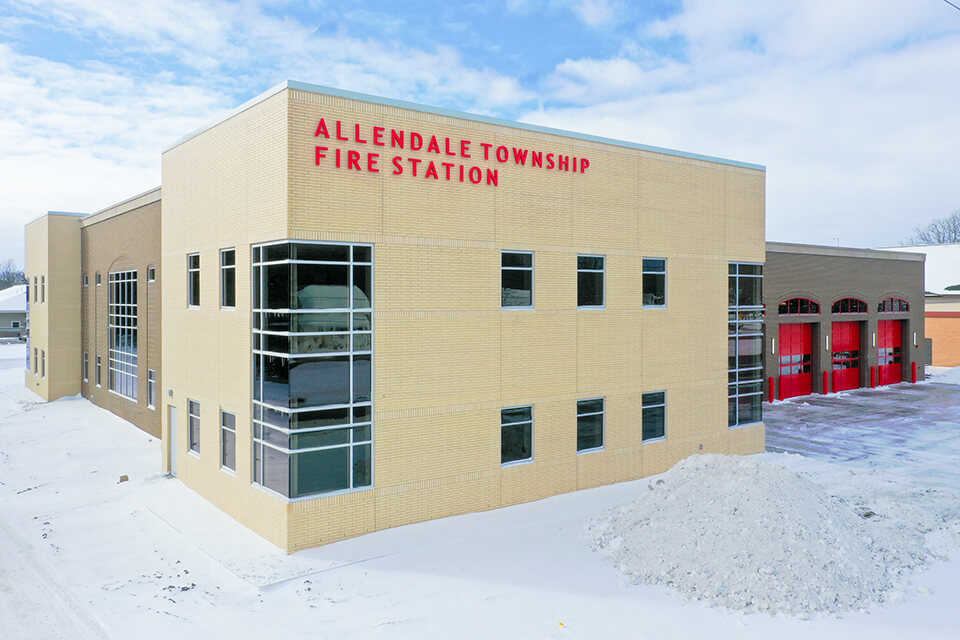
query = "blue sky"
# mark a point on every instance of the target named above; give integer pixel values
(852, 106)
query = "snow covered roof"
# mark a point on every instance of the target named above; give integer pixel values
(14, 298)
(942, 267)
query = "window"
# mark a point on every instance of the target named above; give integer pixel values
(312, 367)
(589, 281)
(228, 279)
(151, 388)
(516, 434)
(43, 289)
(98, 278)
(85, 364)
(744, 343)
(151, 274)
(15, 324)
(122, 333)
(228, 441)
(654, 282)
(798, 307)
(98, 371)
(589, 424)
(35, 288)
(193, 280)
(86, 280)
(654, 415)
(849, 305)
(893, 305)
(516, 280)
(193, 424)
(43, 363)
(36, 362)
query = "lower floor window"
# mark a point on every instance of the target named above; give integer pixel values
(654, 415)
(193, 425)
(228, 441)
(589, 424)
(516, 434)
(151, 388)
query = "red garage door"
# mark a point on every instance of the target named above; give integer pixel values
(796, 349)
(846, 355)
(888, 345)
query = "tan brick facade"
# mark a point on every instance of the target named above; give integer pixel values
(943, 327)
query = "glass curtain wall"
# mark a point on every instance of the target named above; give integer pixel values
(122, 329)
(312, 367)
(745, 344)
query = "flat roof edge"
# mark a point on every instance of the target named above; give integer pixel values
(71, 214)
(844, 252)
(118, 209)
(463, 115)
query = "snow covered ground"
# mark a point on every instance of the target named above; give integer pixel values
(83, 555)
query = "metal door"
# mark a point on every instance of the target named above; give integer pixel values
(846, 355)
(889, 341)
(796, 360)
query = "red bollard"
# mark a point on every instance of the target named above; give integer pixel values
(826, 383)
(913, 367)
(873, 377)
(771, 389)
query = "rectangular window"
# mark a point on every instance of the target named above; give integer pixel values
(43, 289)
(15, 324)
(98, 278)
(654, 282)
(122, 333)
(193, 424)
(516, 280)
(86, 280)
(36, 363)
(312, 367)
(516, 434)
(193, 280)
(85, 363)
(228, 441)
(43, 363)
(744, 344)
(590, 281)
(98, 371)
(35, 288)
(151, 388)
(228, 278)
(589, 424)
(151, 274)
(654, 415)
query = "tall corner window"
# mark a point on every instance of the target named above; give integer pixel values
(654, 415)
(516, 280)
(151, 389)
(98, 371)
(85, 364)
(228, 278)
(590, 281)
(122, 331)
(228, 441)
(744, 343)
(151, 274)
(43, 289)
(193, 425)
(589, 424)
(516, 434)
(193, 280)
(654, 282)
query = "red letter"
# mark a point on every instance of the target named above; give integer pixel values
(399, 167)
(486, 150)
(584, 163)
(320, 155)
(339, 137)
(505, 156)
(378, 136)
(372, 162)
(353, 160)
(461, 173)
(536, 158)
(322, 129)
(549, 161)
(416, 141)
(337, 162)
(464, 147)
(434, 146)
(396, 138)
(413, 163)
(563, 163)
(357, 136)
(478, 174)
(432, 171)
(448, 166)
(520, 156)
(492, 177)
(446, 144)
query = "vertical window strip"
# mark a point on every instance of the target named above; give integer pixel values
(745, 344)
(122, 331)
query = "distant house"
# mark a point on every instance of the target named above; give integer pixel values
(13, 311)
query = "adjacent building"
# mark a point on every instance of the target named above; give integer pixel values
(13, 311)
(347, 313)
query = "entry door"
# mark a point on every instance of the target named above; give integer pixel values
(796, 360)
(846, 355)
(172, 438)
(889, 337)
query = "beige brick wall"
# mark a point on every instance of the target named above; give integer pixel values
(945, 333)
(447, 358)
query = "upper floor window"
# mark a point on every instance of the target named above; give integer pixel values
(193, 280)
(43, 289)
(849, 305)
(590, 281)
(893, 305)
(228, 278)
(516, 280)
(798, 307)
(745, 285)
(35, 287)
(654, 282)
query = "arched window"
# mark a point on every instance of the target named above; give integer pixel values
(849, 305)
(893, 305)
(798, 307)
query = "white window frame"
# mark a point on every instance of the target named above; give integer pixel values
(86, 365)
(14, 324)
(644, 273)
(190, 272)
(653, 406)
(532, 278)
(193, 427)
(99, 372)
(223, 273)
(151, 389)
(603, 276)
(43, 363)
(528, 459)
(151, 274)
(231, 470)
(603, 423)
(123, 366)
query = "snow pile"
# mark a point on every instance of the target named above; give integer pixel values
(756, 537)
(949, 376)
